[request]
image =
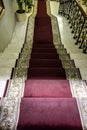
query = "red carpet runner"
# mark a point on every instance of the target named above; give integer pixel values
(47, 102)
(44, 62)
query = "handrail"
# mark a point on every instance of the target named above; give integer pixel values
(81, 7)
(77, 17)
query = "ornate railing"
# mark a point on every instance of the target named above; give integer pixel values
(76, 15)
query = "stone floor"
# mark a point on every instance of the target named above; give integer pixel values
(9, 56)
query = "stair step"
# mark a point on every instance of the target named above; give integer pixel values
(73, 73)
(42, 50)
(45, 63)
(49, 114)
(45, 55)
(64, 56)
(46, 72)
(61, 51)
(68, 63)
(43, 45)
(47, 88)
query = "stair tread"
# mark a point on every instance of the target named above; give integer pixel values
(49, 114)
(45, 63)
(46, 72)
(47, 88)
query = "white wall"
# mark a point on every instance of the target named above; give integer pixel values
(7, 24)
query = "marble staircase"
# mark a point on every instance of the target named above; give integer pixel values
(10, 55)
